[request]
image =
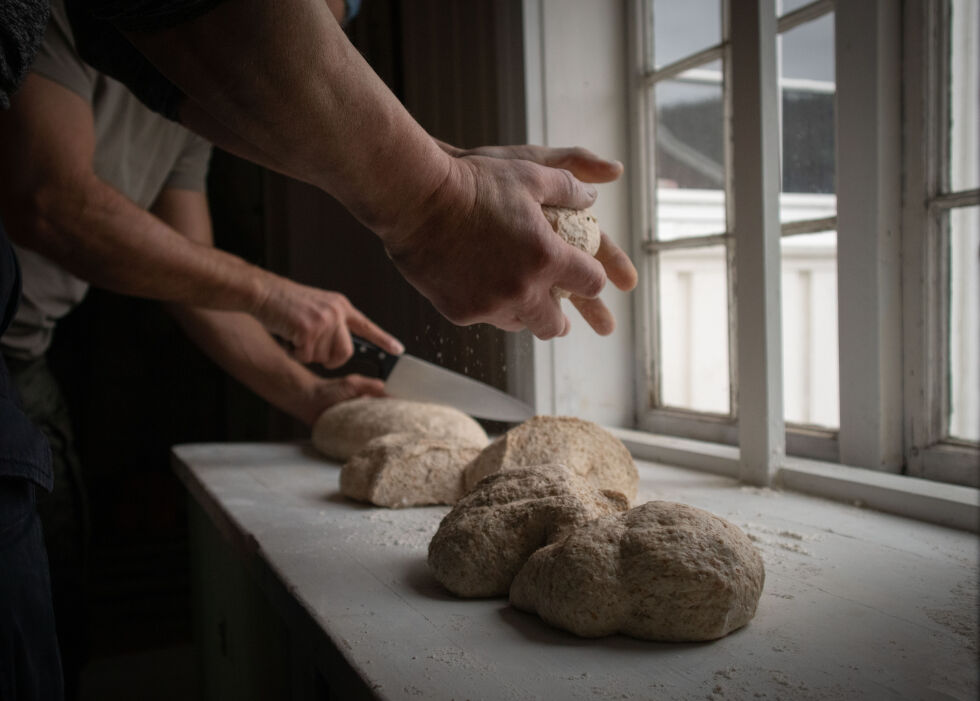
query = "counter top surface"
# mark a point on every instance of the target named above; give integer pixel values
(857, 604)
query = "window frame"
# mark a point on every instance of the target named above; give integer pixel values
(930, 452)
(653, 415)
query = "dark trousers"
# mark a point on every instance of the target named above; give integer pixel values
(30, 665)
(63, 513)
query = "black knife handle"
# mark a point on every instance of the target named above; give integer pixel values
(377, 356)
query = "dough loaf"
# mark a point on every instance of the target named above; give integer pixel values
(403, 469)
(578, 227)
(345, 428)
(582, 446)
(660, 571)
(490, 533)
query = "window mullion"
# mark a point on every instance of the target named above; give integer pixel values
(755, 144)
(869, 247)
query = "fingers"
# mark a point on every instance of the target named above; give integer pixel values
(360, 386)
(617, 264)
(560, 188)
(545, 319)
(367, 329)
(584, 165)
(579, 273)
(595, 313)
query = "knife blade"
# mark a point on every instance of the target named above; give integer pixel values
(408, 377)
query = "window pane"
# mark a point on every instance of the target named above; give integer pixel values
(693, 285)
(784, 7)
(684, 28)
(807, 82)
(809, 304)
(964, 323)
(964, 95)
(690, 159)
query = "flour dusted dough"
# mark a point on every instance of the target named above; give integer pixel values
(661, 571)
(582, 446)
(578, 227)
(345, 428)
(490, 533)
(403, 469)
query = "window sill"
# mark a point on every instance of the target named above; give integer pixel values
(935, 502)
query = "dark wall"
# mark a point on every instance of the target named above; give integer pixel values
(136, 386)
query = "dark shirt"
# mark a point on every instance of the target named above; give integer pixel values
(24, 452)
(22, 24)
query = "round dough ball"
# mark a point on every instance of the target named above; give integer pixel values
(578, 227)
(402, 469)
(661, 571)
(490, 533)
(345, 428)
(583, 447)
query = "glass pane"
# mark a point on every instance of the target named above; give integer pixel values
(964, 95)
(684, 28)
(810, 377)
(690, 158)
(964, 323)
(693, 349)
(784, 7)
(807, 81)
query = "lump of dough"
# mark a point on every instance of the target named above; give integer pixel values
(403, 469)
(583, 447)
(490, 533)
(578, 227)
(661, 571)
(345, 428)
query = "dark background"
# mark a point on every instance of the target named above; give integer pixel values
(136, 386)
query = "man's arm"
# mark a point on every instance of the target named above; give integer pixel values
(54, 203)
(282, 80)
(239, 344)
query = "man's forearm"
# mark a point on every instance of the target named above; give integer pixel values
(243, 348)
(317, 106)
(99, 235)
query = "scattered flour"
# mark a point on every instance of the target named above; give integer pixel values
(406, 528)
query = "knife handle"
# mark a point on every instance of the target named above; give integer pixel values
(377, 356)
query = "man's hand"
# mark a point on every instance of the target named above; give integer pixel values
(324, 393)
(580, 162)
(482, 251)
(318, 323)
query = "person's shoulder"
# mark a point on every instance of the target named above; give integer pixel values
(58, 60)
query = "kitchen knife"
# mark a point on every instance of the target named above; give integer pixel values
(408, 377)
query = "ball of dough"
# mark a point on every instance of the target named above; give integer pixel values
(345, 428)
(403, 469)
(578, 227)
(583, 447)
(661, 571)
(490, 533)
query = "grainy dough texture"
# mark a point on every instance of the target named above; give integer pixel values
(403, 469)
(583, 447)
(662, 571)
(578, 227)
(490, 533)
(346, 428)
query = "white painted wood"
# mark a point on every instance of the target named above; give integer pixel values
(577, 96)
(868, 39)
(755, 126)
(857, 604)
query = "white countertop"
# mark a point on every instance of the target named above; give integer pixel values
(857, 604)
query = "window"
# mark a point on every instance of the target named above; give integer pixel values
(692, 383)
(891, 381)
(942, 240)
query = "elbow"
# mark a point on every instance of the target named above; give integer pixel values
(42, 217)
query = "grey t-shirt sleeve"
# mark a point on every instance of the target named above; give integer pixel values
(58, 60)
(190, 172)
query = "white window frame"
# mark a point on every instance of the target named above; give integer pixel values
(653, 414)
(930, 453)
(573, 97)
